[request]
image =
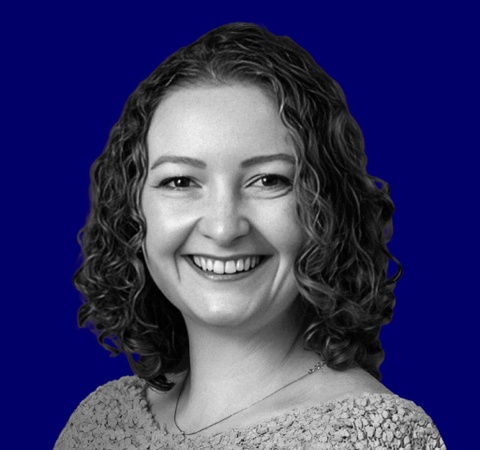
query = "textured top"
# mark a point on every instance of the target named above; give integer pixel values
(117, 416)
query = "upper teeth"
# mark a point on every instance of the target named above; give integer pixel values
(222, 267)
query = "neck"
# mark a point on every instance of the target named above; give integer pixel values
(230, 369)
(218, 354)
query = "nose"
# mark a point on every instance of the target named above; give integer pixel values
(223, 219)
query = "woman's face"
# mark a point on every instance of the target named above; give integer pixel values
(222, 233)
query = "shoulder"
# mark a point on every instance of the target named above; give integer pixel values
(374, 420)
(122, 393)
(352, 406)
(111, 409)
(330, 385)
(366, 421)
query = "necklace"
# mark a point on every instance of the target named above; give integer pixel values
(316, 367)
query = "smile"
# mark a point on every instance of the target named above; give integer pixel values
(222, 267)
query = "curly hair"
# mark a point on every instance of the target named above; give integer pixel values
(345, 293)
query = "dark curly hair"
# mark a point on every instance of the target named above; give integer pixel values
(346, 295)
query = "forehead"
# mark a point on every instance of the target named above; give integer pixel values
(218, 118)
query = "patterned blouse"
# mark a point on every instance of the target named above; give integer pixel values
(116, 416)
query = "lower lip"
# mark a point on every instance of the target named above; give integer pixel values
(226, 276)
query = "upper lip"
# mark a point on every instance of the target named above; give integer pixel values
(225, 258)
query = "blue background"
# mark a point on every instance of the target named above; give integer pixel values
(410, 75)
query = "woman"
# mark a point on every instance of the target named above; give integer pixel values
(236, 253)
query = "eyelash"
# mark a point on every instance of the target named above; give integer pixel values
(279, 178)
(165, 183)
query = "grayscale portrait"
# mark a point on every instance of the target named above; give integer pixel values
(236, 253)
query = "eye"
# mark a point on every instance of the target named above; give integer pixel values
(272, 181)
(176, 183)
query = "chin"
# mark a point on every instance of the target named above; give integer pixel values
(224, 316)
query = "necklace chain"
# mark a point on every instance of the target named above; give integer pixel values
(316, 367)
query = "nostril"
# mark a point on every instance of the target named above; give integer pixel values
(224, 230)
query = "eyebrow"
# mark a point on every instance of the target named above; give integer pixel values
(268, 158)
(202, 165)
(178, 160)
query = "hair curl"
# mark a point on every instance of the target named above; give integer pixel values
(346, 295)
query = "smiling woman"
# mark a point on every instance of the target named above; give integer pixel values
(236, 253)
(219, 207)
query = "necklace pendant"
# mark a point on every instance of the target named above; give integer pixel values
(316, 367)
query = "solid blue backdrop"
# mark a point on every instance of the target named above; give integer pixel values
(409, 76)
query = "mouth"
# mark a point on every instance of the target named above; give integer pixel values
(227, 266)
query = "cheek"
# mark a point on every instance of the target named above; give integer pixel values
(165, 236)
(283, 229)
(166, 230)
